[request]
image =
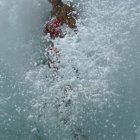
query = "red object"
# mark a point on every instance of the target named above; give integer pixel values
(53, 27)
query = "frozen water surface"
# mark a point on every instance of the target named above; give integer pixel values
(96, 93)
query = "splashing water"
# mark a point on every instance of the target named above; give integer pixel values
(96, 93)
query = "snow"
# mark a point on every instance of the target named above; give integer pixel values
(89, 60)
(93, 52)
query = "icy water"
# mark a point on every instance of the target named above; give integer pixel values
(96, 94)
